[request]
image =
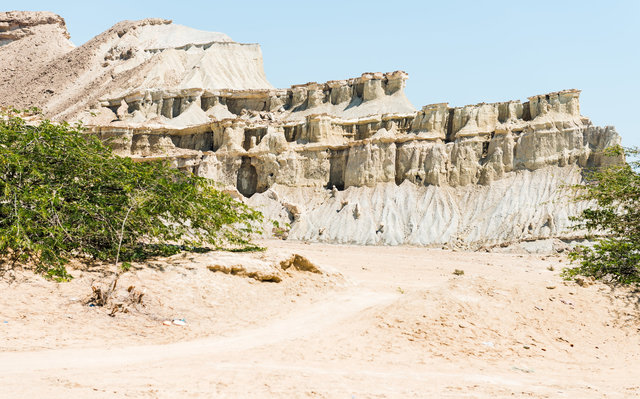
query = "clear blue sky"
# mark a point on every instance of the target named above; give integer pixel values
(460, 52)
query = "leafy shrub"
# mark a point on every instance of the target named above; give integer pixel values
(615, 219)
(64, 194)
(280, 231)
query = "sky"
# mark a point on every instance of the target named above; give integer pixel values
(460, 52)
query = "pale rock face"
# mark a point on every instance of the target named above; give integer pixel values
(340, 92)
(598, 138)
(475, 144)
(372, 89)
(550, 146)
(233, 138)
(320, 130)
(15, 25)
(565, 102)
(309, 169)
(273, 142)
(431, 122)
(525, 205)
(422, 163)
(348, 161)
(370, 164)
(125, 62)
(473, 120)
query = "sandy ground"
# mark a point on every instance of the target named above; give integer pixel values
(396, 323)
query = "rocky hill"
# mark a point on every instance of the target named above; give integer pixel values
(347, 161)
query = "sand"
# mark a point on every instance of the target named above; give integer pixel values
(389, 322)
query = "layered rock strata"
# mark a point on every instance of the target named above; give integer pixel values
(15, 25)
(472, 176)
(438, 145)
(349, 161)
(66, 82)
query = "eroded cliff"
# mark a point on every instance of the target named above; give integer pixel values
(342, 161)
(276, 137)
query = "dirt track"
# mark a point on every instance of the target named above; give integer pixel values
(400, 324)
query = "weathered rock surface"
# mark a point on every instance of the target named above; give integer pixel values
(130, 57)
(15, 25)
(354, 159)
(263, 267)
(525, 205)
(29, 42)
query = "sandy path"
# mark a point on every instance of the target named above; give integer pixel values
(316, 318)
(403, 327)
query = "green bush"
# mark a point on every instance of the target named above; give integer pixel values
(64, 194)
(615, 221)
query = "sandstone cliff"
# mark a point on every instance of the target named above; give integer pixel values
(131, 55)
(343, 161)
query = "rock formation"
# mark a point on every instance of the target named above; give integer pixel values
(342, 161)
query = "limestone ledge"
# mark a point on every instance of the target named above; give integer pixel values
(438, 145)
(15, 25)
(145, 105)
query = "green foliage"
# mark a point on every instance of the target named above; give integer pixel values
(64, 194)
(281, 232)
(614, 220)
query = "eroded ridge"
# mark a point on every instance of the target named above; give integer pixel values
(283, 140)
(342, 161)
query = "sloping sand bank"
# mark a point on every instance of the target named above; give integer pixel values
(376, 322)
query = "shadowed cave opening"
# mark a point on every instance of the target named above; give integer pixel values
(337, 165)
(450, 135)
(247, 178)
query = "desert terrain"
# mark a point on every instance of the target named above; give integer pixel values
(376, 293)
(371, 322)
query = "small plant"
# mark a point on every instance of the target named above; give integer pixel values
(458, 272)
(280, 232)
(400, 290)
(551, 268)
(614, 222)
